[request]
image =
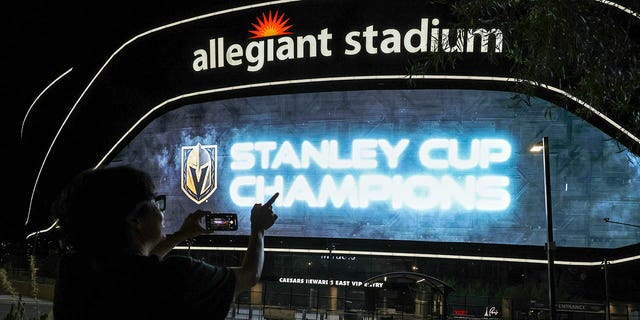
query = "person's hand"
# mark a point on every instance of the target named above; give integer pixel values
(191, 226)
(262, 216)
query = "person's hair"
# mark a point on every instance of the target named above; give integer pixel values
(93, 208)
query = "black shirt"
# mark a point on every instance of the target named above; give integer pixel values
(139, 287)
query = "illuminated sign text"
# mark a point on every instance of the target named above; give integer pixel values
(428, 37)
(369, 171)
(330, 282)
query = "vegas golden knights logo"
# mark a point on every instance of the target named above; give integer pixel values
(199, 178)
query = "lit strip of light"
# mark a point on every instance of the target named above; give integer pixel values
(416, 255)
(360, 78)
(26, 115)
(625, 9)
(43, 231)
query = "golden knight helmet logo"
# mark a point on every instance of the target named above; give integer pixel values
(199, 171)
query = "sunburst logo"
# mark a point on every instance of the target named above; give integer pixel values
(270, 25)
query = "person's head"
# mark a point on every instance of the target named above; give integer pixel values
(110, 209)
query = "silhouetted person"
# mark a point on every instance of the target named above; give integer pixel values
(117, 269)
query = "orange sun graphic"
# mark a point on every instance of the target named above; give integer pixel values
(271, 25)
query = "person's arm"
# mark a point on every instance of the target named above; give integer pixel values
(247, 275)
(190, 228)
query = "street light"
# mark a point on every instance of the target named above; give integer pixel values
(550, 245)
(606, 271)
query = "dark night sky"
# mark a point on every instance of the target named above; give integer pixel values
(40, 41)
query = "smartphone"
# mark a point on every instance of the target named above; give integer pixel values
(216, 221)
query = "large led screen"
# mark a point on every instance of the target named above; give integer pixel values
(425, 165)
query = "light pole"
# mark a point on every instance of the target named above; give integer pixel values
(606, 290)
(606, 271)
(550, 245)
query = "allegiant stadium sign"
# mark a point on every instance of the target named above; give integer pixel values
(276, 43)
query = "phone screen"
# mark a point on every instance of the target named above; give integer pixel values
(215, 221)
